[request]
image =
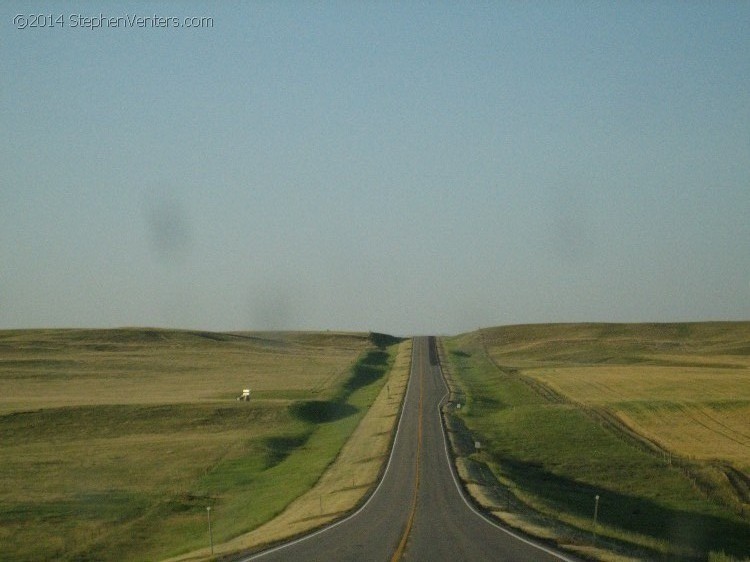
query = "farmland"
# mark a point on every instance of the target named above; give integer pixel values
(114, 442)
(655, 419)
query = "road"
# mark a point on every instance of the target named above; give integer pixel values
(417, 512)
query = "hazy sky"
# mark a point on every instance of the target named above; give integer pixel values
(406, 167)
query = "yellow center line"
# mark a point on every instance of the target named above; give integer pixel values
(407, 529)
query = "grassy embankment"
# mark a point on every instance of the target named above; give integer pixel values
(655, 419)
(346, 483)
(113, 443)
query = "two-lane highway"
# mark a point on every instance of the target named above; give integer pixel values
(417, 511)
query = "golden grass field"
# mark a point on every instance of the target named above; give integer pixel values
(699, 413)
(654, 418)
(686, 389)
(113, 442)
(55, 368)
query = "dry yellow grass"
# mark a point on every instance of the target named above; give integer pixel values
(697, 412)
(346, 482)
(697, 431)
(611, 384)
(686, 387)
(57, 368)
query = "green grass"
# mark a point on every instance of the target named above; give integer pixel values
(126, 472)
(557, 457)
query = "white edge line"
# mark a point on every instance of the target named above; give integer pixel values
(364, 505)
(461, 491)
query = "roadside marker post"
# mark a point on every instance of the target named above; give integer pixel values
(210, 532)
(596, 514)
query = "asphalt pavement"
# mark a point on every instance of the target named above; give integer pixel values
(418, 512)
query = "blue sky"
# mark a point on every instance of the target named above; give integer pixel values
(424, 167)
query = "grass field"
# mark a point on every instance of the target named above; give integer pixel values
(114, 442)
(346, 482)
(653, 418)
(700, 413)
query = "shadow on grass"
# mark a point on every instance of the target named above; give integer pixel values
(280, 447)
(366, 371)
(693, 531)
(384, 340)
(321, 411)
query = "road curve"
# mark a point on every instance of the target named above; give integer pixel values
(418, 511)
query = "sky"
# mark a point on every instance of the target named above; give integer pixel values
(402, 167)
